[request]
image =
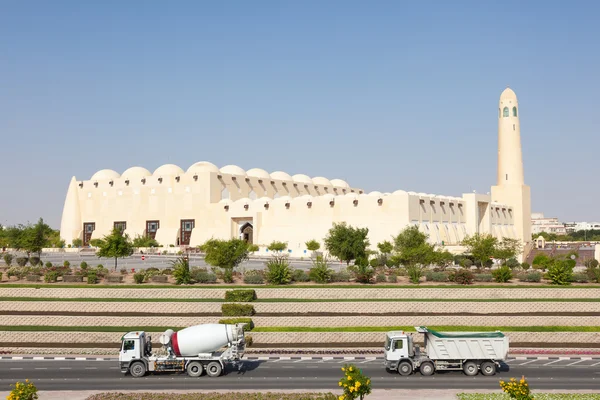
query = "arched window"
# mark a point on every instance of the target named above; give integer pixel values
(514, 111)
(505, 112)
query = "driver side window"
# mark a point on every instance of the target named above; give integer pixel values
(128, 345)
(398, 344)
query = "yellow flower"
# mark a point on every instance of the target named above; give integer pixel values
(350, 369)
(343, 369)
(341, 397)
(340, 383)
(349, 378)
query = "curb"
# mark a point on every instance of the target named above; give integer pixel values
(348, 358)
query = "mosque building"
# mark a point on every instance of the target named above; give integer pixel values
(185, 208)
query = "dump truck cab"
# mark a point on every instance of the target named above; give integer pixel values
(399, 346)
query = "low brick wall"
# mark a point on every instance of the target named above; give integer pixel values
(312, 293)
(300, 308)
(60, 320)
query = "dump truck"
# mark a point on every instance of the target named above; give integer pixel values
(469, 352)
(193, 350)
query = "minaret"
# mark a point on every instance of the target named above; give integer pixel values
(70, 225)
(510, 187)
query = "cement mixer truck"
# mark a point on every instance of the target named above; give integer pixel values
(193, 350)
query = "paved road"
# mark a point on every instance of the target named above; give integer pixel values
(160, 261)
(543, 374)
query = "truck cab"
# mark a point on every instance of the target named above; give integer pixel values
(134, 346)
(398, 346)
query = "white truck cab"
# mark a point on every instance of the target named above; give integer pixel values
(134, 346)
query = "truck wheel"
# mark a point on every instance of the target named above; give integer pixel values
(138, 370)
(488, 368)
(195, 369)
(427, 368)
(470, 368)
(214, 369)
(405, 368)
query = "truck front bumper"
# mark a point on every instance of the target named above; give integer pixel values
(390, 364)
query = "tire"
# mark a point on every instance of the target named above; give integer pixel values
(405, 368)
(213, 369)
(470, 368)
(195, 369)
(137, 370)
(427, 368)
(488, 368)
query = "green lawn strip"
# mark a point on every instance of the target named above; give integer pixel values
(219, 300)
(206, 287)
(538, 396)
(442, 328)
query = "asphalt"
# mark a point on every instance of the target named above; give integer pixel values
(302, 373)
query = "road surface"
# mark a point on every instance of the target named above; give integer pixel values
(542, 374)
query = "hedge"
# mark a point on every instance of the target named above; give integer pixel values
(242, 295)
(232, 321)
(237, 310)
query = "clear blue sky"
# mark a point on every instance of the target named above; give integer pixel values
(386, 94)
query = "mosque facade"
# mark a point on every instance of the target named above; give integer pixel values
(182, 208)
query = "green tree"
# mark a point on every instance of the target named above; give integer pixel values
(541, 261)
(413, 249)
(312, 245)
(77, 242)
(443, 259)
(144, 241)
(347, 243)
(482, 247)
(385, 247)
(507, 248)
(115, 245)
(277, 246)
(35, 238)
(225, 254)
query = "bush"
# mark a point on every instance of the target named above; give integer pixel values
(432, 276)
(116, 278)
(502, 274)
(363, 272)
(320, 272)
(560, 272)
(200, 275)
(72, 278)
(66, 263)
(466, 263)
(232, 321)
(464, 276)
(33, 278)
(525, 266)
(531, 276)
(23, 391)
(381, 278)
(242, 295)
(300, 275)
(138, 277)
(237, 310)
(278, 271)
(167, 271)
(181, 271)
(414, 273)
(392, 278)
(84, 265)
(8, 259)
(277, 246)
(253, 279)
(483, 278)
(312, 245)
(123, 271)
(512, 263)
(580, 278)
(34, 261)
(48, 264)
(341, 276)
(92, 278)
(51, 276)
(22, 261)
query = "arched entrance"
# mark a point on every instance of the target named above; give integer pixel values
(247, 233)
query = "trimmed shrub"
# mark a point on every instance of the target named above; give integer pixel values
(432, 276)
(242, 295)
(201, 275)
(392, 278)
(66, 263)
(92, 278)
(580, 278)
(84, 265)
(502, 274)
(525, 266)
(21, 261)
(51, 276)
(464, 276)
(300, 275)
(512, 263)
(48, 264)
(278, 271)
(254, 279)
(153, 269)
(341, 276)
(34, 261)
(138, 277)
(162, 278)
(381, 278)
(483, 278)
(115, 278)
(8, 259)
(33, 278)
(531, 276)
(232, 321)
(167, 271)
(237, 310)
(72, 278)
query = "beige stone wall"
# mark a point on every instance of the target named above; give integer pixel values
(465, 320)
(313, 293)
(364, 308)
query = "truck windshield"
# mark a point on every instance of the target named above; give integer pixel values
(388, 341)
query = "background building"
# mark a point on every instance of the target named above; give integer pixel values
(540, 224)
(185, 208)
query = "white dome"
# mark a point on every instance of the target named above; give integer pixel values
(387, 194)
(303, 179)
(319, 180)
(233, 170)
(258, 173)
(280, 175)
(168, 169)
(375, 193)
(339, 183)
(423, 195)
(105, 174)
(508, 94)
(401, 192)
(202, 166)
(410, 193)
(135, 173)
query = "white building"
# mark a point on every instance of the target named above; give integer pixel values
(185, 208)
(540, 224)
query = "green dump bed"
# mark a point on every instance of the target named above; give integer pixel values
(465, 345)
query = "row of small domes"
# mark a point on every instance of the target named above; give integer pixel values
(202, 166)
